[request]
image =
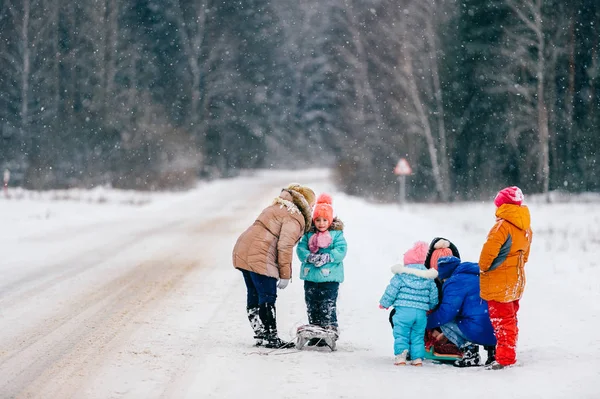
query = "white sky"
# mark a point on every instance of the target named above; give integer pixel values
(101, 298)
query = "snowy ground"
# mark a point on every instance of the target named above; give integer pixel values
(108, 294)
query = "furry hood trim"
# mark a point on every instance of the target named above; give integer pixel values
(427, 273)
(336, 224)
(297, 204)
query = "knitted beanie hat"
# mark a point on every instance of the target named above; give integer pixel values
(437, 254)
(323, 208)
(437, 243)
(417, 254)
(509, 195)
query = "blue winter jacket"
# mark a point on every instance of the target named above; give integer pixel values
(412, 286)
(329, 272)
(461, 301)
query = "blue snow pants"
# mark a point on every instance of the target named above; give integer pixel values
(409, 331)
(261, 289)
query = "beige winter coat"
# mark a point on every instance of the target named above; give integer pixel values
(267, 246)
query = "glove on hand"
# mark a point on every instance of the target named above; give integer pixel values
(282, 283)
(312, 258)
(381, 307)
(323, 259)
(318, 259)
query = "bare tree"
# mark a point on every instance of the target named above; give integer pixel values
(17, 63)
(524, 78)
(109, 52)
(29, 68)
(413, 31)
(191, 22)
(306, 101)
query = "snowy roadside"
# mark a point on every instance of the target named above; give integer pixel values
(163, 313)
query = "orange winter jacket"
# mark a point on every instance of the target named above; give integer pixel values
(504, 254)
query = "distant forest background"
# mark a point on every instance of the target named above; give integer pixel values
(154, 94)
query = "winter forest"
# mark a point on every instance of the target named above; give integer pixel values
(154, 94)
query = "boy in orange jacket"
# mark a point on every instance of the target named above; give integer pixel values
(502, 264)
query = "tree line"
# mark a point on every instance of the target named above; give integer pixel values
(154, 94)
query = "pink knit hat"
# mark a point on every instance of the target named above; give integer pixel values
(509, 195)
(437, 254)
(323, 208)
(417, 254)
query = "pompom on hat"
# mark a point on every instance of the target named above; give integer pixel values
(323, 208)
(417, 254)
(509, 195)
(439, 246)
(306, 192)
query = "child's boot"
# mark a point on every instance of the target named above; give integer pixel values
(417, 362)
(400, 359)
(491, 354)
(470, 357)
(269, 319)
(256, 324)
(495, 366)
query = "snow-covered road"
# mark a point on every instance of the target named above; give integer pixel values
(106, 300)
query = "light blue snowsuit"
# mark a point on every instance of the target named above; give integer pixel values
(412, 292)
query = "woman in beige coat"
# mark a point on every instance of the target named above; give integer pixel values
(264, 253)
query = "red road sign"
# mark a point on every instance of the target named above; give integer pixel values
(402, 168)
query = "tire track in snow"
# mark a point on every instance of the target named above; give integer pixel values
(57, 356)
(67, 343)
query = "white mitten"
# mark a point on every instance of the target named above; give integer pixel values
(283, 283)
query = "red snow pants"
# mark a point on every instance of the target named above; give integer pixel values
(504, 320)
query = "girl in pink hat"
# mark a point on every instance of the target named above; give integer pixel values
(412, 292)
(322, 251)
(502, 270)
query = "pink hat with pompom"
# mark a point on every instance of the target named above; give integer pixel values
(323, 208)
(417, 254)
(509, 195)
(437, 254)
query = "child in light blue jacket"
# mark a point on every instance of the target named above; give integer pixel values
(322, 251)
(412, 292)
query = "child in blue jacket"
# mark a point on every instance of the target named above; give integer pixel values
(412, 292)
(322, 251)
(462, 315)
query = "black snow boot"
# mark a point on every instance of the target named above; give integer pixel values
(470, 357)
(256, 324)
(268, 317)
(491, 354)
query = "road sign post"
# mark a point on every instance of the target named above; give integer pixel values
(6, 179)
(402, 170)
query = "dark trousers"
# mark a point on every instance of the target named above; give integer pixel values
(321, 303)
(261, 289)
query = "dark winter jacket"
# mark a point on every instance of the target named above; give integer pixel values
(461, 302)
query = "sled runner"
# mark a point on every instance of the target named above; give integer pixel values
(311, 335)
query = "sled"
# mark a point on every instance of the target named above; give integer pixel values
(323, 336)
(431, 354)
